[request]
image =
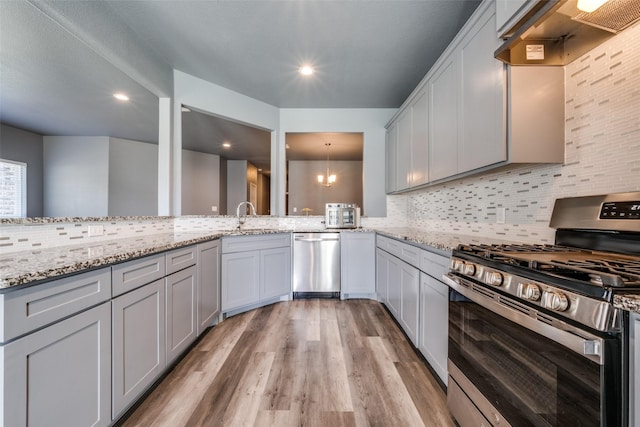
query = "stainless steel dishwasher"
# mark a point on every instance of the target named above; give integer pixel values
(316, 265)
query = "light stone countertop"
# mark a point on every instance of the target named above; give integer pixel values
(37, 265)
(444, 243)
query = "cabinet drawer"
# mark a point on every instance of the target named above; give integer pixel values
(408, 253)
(133, 274)
(433, 264)
(179, 259)
(253, 243)
(28, 309)
(382, 242)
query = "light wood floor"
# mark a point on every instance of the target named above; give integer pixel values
(299, 363)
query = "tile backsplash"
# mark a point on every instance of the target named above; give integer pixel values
(602, 155)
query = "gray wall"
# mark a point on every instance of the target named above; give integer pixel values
(236, 184)
(305, 192)
(200, 183)
(26, 147)
(76, 175)
(223, 210)
(133, 178)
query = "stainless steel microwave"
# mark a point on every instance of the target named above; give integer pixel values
(342, 215)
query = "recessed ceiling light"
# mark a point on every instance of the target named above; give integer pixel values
(305, 70)
(226, 145)
(121, 96)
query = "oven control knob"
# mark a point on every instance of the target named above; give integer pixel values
(530, 291)
(469, 269)
(557, 301)
(457, 265)
(493, 278)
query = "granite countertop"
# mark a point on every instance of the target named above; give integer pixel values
(442, 242)
(20, 268)
(629, 302)
(33, 266)
(37, 265)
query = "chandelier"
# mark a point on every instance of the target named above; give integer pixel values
(328, 179)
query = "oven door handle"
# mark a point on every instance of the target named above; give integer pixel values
(577, 340)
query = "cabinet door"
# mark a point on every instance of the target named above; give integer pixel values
(60, 375)
(181, 305)
(138, 342)
(403, 164)
(420, 139)
(443, 121)
(483, 141)
(240, 279)
(208, 283)
(410, 301)
(434, 323)
(382, 275)
(357, 263)
(508, 12)
(391, 148)
(394, 285)
(275, 272)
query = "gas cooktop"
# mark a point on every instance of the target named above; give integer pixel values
(594, 267)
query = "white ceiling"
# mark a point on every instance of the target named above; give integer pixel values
(61, 61)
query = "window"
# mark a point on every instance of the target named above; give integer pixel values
(13, 189)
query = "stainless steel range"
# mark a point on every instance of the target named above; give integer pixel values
(534, 339)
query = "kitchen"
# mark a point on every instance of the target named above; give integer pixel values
(601, 155)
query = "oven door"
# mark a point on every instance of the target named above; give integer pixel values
(515, 365)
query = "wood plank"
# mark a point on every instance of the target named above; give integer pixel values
(299, 363)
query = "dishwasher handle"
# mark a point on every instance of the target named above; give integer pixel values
(328, 237)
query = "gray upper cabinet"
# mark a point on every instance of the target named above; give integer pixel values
(420, 139)
(391, 152)
(443, 129)
(403, 163)
(481, 113)
(481, 141)
(509, 12)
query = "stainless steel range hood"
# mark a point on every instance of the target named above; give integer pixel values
(555, 32)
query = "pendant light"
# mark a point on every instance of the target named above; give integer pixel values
(327, 180)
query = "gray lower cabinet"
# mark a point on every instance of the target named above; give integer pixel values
(634, 369)
(60, 375)
(382, 275)
(240, 279)
(357, 263)
(254, 269)
(138, 342)
(275, 272)
(394, 287)
(181, 312)
(410, 302)
(208, 284)
(402, 283)
(434, 327)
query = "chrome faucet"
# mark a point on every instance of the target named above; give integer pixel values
(241, 220)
